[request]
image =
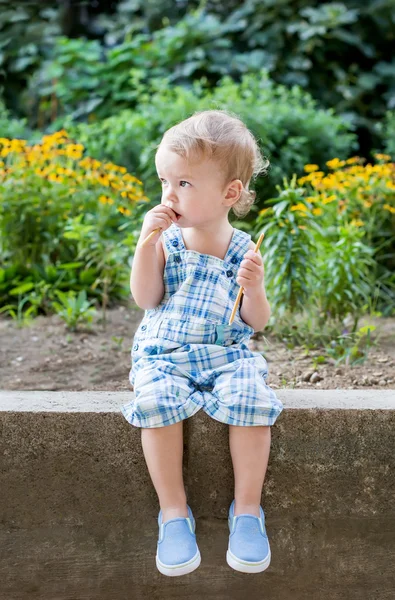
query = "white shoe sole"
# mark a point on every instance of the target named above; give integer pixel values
(245, 566)
(182, 569)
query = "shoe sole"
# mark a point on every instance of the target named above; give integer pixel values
(247, 567)
(182, 569)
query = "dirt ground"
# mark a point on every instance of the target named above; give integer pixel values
(45, 356)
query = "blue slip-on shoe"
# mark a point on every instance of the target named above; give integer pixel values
(177, 553)
(248, 550)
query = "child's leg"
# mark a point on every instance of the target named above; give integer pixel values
(249, 448)
(163, 451)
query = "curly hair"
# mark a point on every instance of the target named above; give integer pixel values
(221, 136)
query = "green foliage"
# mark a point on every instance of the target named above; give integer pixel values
(352, 348)
(291, 129)
(104, 254)
(322, 249)
(63, 224)
(338, 51)
(9, 127)
(27, 35)
(73, 309)
(333, 339)
(386, 129)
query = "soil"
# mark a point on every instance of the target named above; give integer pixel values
(46, 356)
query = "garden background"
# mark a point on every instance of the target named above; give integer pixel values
(87, 91)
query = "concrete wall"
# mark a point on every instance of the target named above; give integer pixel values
(78, 513)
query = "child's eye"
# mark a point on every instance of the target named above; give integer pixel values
(163, 182)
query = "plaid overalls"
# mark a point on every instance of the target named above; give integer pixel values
(186, 357)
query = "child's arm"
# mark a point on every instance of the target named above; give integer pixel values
(146, 278)
(255, 310)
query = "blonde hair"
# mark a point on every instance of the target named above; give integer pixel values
(221, 136)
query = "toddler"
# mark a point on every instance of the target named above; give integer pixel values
(185, 356)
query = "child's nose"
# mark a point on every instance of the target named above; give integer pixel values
(170, 193)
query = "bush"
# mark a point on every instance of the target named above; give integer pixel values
(12, 128)
(63, 218)
(340, 52)
(291, 129)
(386, 129)
(329, 240)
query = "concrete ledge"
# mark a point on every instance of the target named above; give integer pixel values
(78, 512)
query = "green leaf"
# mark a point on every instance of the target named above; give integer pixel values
(22, 289)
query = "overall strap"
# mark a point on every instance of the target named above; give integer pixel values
(238, 247)
(173, 239)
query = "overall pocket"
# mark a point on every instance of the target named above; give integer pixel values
(191, 331)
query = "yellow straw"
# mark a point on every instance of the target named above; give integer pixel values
(151, 235)
(241, 290)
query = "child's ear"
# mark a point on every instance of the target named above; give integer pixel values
(233, 192)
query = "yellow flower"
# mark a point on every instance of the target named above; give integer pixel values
(390, 185)
(59, 134)
(131, 178)
(103, 179)
(124, 211)
(55, 177)
(106, 200)
(382, 157)
(356, 222)
(329, 199)
(317, 211)
(311, 168)
(390, 208)
(335, 163)
(299, 206)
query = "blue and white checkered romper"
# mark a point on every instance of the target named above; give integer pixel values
(186, 357)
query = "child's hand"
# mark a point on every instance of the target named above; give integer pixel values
(251, 273)
(160, 217)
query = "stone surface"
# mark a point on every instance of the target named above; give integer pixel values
(78, 512)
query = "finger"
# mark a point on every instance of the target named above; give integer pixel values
(166, 220)
(248, 264)
(253, 256)
(247, 274)
(252, 268)
(169, 210)
(168, 217)
(244, 281)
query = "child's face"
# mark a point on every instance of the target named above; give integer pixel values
(195, 190)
